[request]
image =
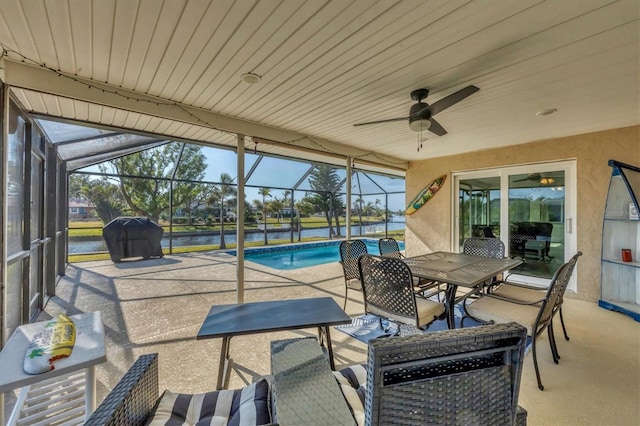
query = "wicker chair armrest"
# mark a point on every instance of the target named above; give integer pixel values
(133, 398)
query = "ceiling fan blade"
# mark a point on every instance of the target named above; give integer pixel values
(436, 128)
(382, 121)
(530, 177)
(452, 99)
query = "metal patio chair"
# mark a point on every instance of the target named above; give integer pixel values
(485, 247)
(536, 315)
(527, 293)
(350, 251)
(389, 292)
(389, 247)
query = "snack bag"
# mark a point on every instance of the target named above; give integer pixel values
(54, 342)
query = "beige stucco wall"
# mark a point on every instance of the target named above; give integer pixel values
(429, 229)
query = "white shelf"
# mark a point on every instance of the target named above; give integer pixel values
(620, 262)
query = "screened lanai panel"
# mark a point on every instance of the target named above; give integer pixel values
(206, 160)
(82, 162)
(389, 183)
(275, 172)
(117, 145)
(325, 178)
(397, 203)
(64, 132)
(361, 184)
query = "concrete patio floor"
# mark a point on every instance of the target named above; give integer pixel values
(158, 305)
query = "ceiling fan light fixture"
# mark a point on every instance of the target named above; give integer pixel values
(419, 124)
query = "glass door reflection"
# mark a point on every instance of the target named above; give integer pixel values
(536, 221)
(479, 209)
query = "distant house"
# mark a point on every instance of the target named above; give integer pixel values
(81, 209)
(286, 212)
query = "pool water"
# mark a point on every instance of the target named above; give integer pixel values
(302, 255)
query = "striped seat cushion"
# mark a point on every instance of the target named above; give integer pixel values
(353, 382)
(246, 406)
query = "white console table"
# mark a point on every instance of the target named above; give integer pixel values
(69, 390)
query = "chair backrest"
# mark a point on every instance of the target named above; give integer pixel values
(350, 251)
(555, 293)
(389, 247)
(462, 376)
(387, 285)
(485, 247)
(488, 233)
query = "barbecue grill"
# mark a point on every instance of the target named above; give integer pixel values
(132, 237)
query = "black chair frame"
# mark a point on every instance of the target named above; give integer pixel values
(350, 251)
(548, 306)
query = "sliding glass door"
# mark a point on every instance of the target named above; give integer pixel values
(530, 208)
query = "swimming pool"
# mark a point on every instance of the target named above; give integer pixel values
(302, 255)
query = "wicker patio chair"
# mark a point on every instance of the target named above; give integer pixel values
(133, 398)
(453, 377)
(536, 315)
(350, 251)
(136, 399)
(389, 292)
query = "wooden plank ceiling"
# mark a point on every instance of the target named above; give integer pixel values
(326, 65)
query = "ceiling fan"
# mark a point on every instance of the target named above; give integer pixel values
(421, 113)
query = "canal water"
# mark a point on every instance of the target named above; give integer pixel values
(98, 244)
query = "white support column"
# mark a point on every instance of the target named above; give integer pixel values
(348, 207)
(240, 221)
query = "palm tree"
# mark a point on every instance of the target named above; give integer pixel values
(221, 192)
(368, 209)
(265, 192)
(287, 204)
(358, 207)
(276, 207)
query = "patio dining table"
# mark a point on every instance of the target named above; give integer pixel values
(458, 270)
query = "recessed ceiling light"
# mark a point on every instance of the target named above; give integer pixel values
(546, 112)
(251, 78)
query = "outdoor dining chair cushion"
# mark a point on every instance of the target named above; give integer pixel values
(489, 309)
(353, 382)
(519, 292)
(246, 406)
(427, 311)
